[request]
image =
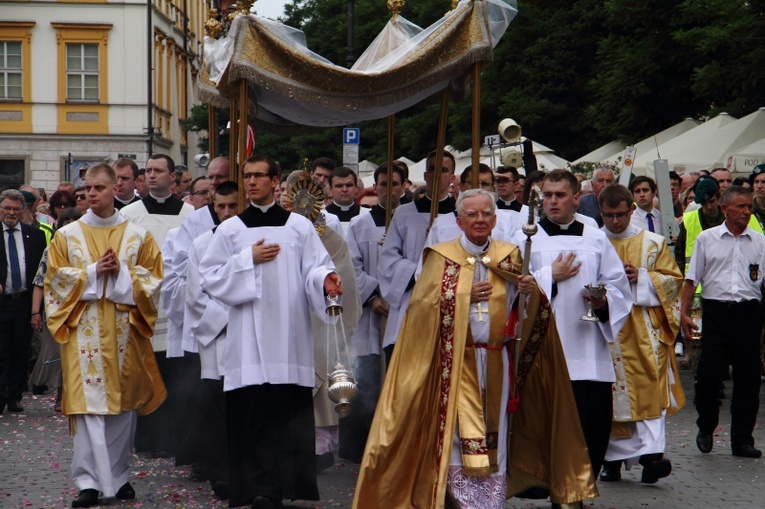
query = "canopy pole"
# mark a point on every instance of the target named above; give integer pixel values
(439, 163)
(232, 132)
(212, 131)
(241, 154)
(389, 182)
(476, 155)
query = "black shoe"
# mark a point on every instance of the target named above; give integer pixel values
(266, 503)
(126, 492)
(324, 461)
(612, 471)
(161, 454)
(704, 442)
(198, 473)
(656, 470)
(14, 407)
(86, 498)
(220, 488)
(746, 451)
(39, 389)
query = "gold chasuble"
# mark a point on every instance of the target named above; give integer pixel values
(431, 386)
(647, 377)
(106, 359)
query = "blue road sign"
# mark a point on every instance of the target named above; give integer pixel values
(351, 136)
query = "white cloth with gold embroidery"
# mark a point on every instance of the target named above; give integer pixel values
(97, 320)
(474, 492)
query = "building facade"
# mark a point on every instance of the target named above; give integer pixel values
(89, 81)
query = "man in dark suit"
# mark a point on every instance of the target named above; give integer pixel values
(588, 204)
(22, 247)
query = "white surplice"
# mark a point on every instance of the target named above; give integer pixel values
(585, 344)
(158, 225)
(398, 262)
(363, 240)
(205, 318)
(169, 297)
(269, 337)
(445, 227)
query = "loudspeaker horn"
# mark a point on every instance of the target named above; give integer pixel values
(509, 130)
(202, 160)
(512, 158)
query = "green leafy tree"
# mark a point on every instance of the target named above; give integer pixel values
(728, 38)
(642, 77)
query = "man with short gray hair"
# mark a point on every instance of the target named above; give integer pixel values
(22, 247)
(588, 204)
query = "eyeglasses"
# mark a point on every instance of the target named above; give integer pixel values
(79, 197)
(63, 205)
(617, 215)
(473, 215)
(199, 193)
(504, 180)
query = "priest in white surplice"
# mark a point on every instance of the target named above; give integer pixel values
(405, 241)
(271, 268)
(204, 323)
(566, 255)
(158, 213)
(364, 235)
(101, 292)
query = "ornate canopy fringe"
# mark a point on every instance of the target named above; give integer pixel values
(289, 84)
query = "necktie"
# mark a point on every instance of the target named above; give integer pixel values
(13, 255)
(649, 217)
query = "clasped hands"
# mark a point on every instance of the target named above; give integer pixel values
(108, 264)
(481, 291)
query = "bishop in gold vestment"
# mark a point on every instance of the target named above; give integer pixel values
(647, 386)
(445, 399)
(103, 321)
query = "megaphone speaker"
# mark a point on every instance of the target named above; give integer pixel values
(509, 130)
(202, 160)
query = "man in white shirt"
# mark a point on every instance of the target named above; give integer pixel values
(270, 267)
(728, 262)
(646, 216)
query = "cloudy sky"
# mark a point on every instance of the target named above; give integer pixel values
(270, 8)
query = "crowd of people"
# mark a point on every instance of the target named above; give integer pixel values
(172, 323)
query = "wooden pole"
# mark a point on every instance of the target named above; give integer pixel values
(232, 132)
(439, 163)
(212, 131)
(476, 155)
(389, 183)
(242, 141)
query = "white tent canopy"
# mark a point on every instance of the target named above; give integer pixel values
(708, 131)
(744, 159)
(602, 153)
(648, 145)
(612, 151)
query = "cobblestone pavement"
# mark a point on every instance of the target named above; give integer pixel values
(36, 450)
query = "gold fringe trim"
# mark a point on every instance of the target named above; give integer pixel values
(481, 472)
(72, 426)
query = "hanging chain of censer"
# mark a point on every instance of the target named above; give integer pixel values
(341, 384)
